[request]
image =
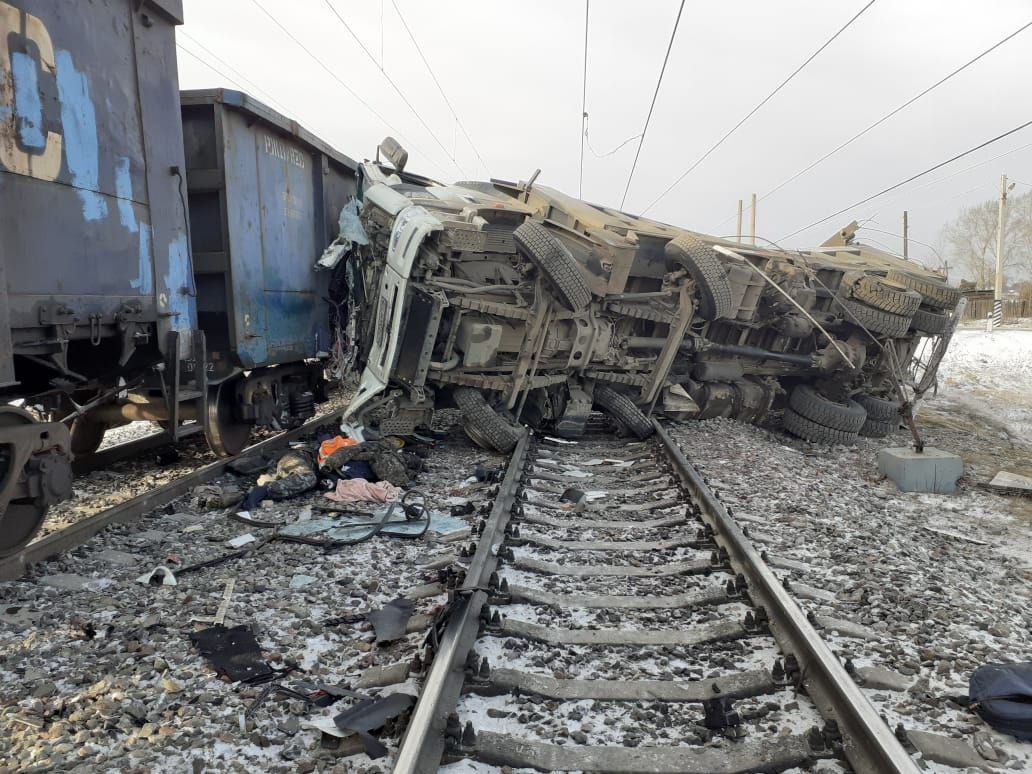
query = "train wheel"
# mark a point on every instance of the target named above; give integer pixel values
(226, 434)
(22, 518)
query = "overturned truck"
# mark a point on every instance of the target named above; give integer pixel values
(517, 304)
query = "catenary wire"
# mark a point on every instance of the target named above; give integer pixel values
(254, 87)
(954, 174)
(763, 102)
(210, 66)
(911, 178)
(228, 77)
(908, 238)
(440, 88)
(394, 86)
(890, 114)
(347, 88)
(655, 94)
(595, 153)
(584, 103)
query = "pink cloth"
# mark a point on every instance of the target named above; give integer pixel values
(358, 490)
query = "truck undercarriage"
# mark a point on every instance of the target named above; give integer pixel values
(520, 305)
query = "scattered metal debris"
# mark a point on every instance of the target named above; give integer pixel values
(373, 714)
(389, 622)
(233, 653)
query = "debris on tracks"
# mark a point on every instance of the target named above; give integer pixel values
(373, 714)
(233, 652)
(241, 540)
(163, 707)
(159, 576)
(357, 490)
(390, 621)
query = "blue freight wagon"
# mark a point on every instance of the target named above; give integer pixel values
(144, 276)
(264, 197)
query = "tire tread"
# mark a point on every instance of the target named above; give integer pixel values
(555, 262)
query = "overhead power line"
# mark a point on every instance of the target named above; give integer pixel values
(584, 103)
(910, 179)
(347, 88)
(763, 102)
(254, 87)
(655, 94)
(232, 80)
(440, 88)
(595, 153)
(891, 113)
(394, 85)
(210, 66)
(954, 174)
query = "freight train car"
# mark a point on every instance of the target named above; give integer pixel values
(114, 306)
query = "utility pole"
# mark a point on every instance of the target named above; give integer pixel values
(905, 240)
(1000, 226)
(739, 232)
(752, 219)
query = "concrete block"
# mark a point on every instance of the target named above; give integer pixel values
(933, 470)
(378, 676)
(947, 751)
(882, 679)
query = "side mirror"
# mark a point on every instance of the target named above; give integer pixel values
(393, 152)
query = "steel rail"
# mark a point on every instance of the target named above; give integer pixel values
(74, 535)
(423, 745)
(99, 460)
(869, 744)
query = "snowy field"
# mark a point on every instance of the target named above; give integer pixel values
(986, 380)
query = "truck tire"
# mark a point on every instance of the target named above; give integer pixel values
(878, 428)
(927, 321)
(483, 424)
(555, 262)
(878, 409)
(875, 320)
(934, 293)
(807, 402)
(706, 268)
(873, 291)
(809, 430)
(622, 409)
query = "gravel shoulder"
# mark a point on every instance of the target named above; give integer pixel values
(97, 671)
(933, 586)
(117, 483)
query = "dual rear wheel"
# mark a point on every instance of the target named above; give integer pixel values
(815, 417)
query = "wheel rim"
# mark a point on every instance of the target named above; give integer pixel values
(22, 518)
(227, 436)
(18, 524)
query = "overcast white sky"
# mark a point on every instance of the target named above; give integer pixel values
(513, 72)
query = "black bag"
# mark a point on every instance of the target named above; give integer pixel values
(1002, 695)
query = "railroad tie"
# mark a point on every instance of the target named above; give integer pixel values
(761, 755)
(691, 635)
(712, 595)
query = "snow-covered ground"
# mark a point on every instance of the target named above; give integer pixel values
(986, 380)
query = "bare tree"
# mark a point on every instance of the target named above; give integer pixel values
(1020, 233)
(970, 239)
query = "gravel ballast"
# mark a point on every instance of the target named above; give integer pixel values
(928, 587)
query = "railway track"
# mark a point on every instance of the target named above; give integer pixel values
(638, 631)
(77, 533)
